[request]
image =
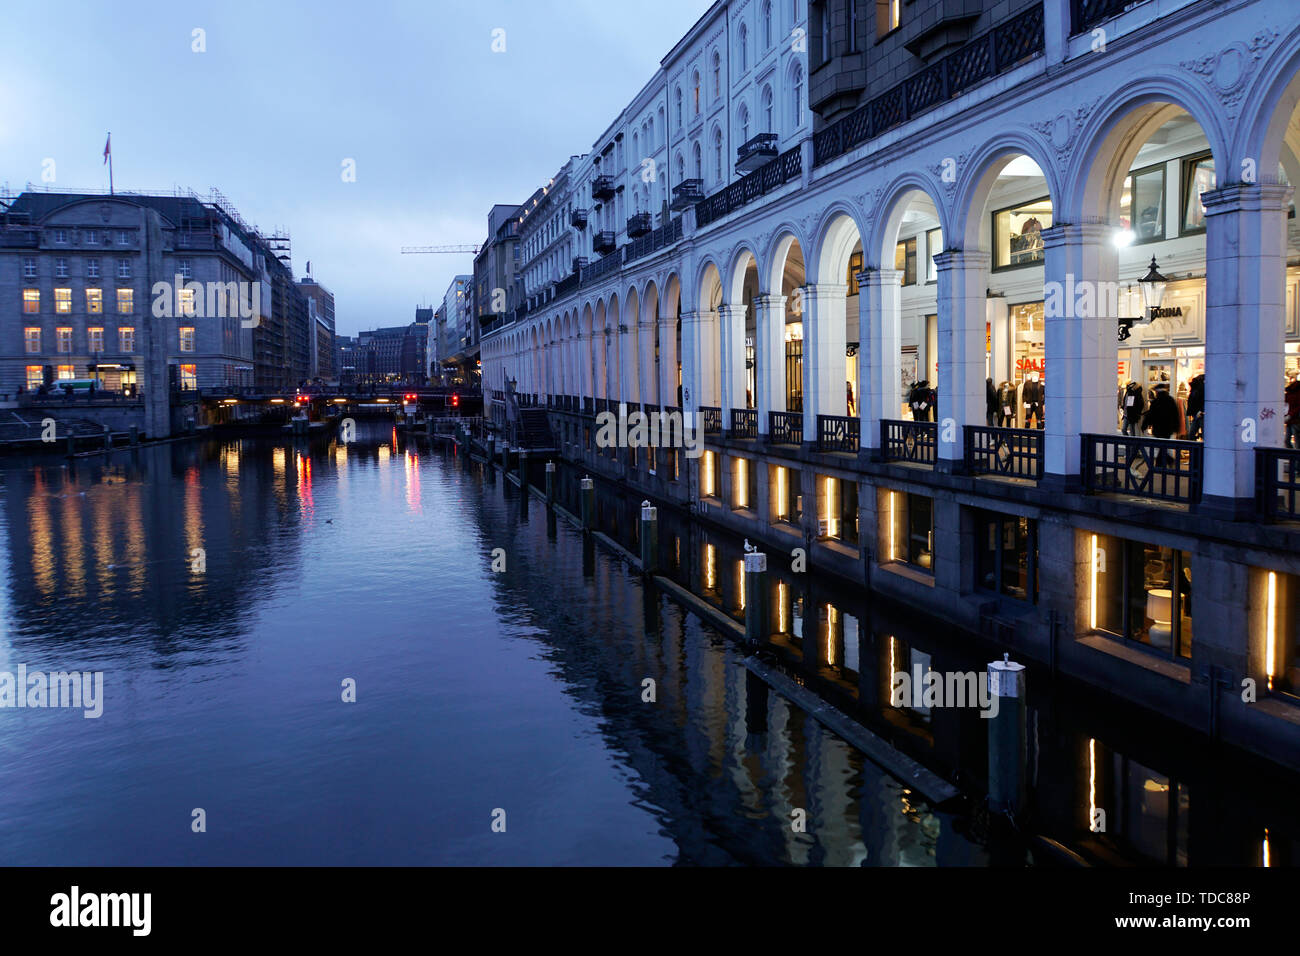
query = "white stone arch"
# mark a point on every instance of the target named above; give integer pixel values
(1267, 131)
(975, 182)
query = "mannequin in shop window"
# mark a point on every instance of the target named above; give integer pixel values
(1196, 407)
(1133, 406)
(922, 401)
(1292, 418)
(1007, 404)
(990, 403)
(1031, 393)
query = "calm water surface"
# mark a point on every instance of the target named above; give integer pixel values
(476, 690)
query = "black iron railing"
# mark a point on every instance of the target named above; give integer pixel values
(757, 151)
(744, 423)
(838, 432)
(639, 224)
(1277, 483)
(1165, 469)
(588, 405)
(603, 241)
(1010, 452)
(711, 419)
(602, 187)
(915, 442)
(996, 51)
(578, 218)
(1085, 14)
(785, 168)
(785, 428)
(686, 194)
(601, 267)
(664, 236)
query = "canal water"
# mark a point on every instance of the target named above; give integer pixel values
(232, 592)
(227, 589)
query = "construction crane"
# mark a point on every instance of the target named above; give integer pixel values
(408, 250)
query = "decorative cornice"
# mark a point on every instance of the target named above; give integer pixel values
(1228, 72)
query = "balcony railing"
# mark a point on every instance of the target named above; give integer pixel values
(603, 242)
(1165, 469)
(711, 419)
(838, 432)
(785, 168)
(578, 219)
(602, 187)
(996, 51)
(744, 423)
(664, 236)
(686, 194)
(1277, 481)
(1085, 14)
(756, 152)
(785, 428)
(639, 225)
(599, 268)
(914, 442)
(1008, 452)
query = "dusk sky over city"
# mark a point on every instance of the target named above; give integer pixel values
(440, 126)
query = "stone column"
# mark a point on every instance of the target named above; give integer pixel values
(649, 383)
(823, 355)
(692, 379)
(629, 377)
(880, 354)
(667, 360)
(1245, 327)
(732, 321)
(963, 279)
(769, 357)
(1081, 345)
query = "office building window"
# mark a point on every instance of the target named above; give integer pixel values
(60, 268)
(189, 377)
(1198, 177)
(94, 300)
(63, 301)
(1142, 204)
(124, 268)
(187, 338)
(29, 267)
(63, 338)
(35, 376)
(31, 301)
(92, 268)
(126, 340)
(185, 268)
(95, 339)
(32, 340)
(888, 16)
(125, 301)
(92, 237)
(61, 236)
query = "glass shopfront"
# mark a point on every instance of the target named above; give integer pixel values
(1018, 233)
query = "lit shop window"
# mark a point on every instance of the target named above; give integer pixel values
(1282, 632)
(35, 376)
(905, 260)
(1018, 233)
(1141, 593)
(907, 527)
(838, 511)
(31, 301)
(787, 495)
(63, 301)
(744, 483)
(708, 474)
(32, 340)
(1007, 555)
(63, 336)
(1142, 204)
(1198, 177)
(95, 300)
(66, 372)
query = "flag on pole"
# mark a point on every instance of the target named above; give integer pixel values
(108, 147)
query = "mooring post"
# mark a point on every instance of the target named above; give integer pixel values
(649, 538)
(108, 437)
(72, 444)
(1007, 751)
(135, 434)
(756, 629)
(587, 494)
(523, 471)
(492, 450)
(550, 483)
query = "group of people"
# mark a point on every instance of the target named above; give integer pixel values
(1159, 413)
